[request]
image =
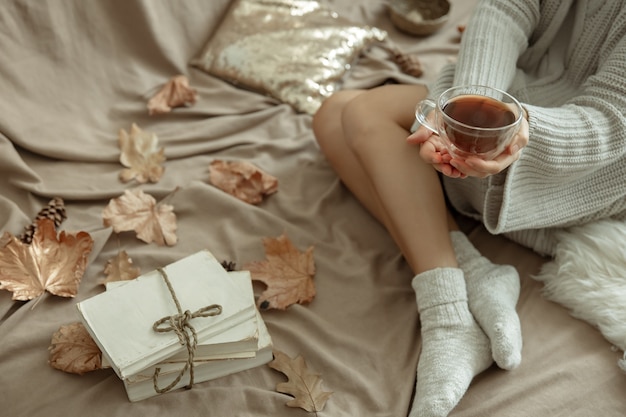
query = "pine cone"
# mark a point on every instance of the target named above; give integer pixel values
(229, 265)
(55, 211)
(409, 64)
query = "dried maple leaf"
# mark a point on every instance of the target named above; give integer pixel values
(287, 272)
(242, 179)
(139, 212)
(175, 93)
(5, 239)
(73, 350)
(140, 155)
(304, 385)
(48, 264)
(120, 268)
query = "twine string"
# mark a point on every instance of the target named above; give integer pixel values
(181, 325)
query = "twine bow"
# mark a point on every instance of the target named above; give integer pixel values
(181, 325)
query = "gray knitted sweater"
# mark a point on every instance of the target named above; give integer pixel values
(565, 60)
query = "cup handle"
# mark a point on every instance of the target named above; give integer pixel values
(422, 110)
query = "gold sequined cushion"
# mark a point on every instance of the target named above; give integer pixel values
(296, 51)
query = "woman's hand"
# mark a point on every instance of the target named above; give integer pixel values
(434, 152)
(477, 167)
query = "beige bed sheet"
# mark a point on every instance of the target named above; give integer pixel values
(74, 72)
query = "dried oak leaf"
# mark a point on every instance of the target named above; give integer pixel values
(304, 385)
(48, 264)
(175, 93)
(140, 212)
(287, 272)
(120, 268)
(242, 179)
(73, 350)
(140, 155)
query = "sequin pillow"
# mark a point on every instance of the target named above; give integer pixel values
(296, 51)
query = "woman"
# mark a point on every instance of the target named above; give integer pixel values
(564, 60)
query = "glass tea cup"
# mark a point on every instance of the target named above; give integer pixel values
(472, 120)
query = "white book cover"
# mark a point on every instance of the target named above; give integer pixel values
(141, 385)
(121, 320)
(240, 341)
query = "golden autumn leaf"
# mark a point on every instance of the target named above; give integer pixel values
(287, 272)
(140, 212)
(175, 93)
(73, 350)
(49, 263)
(242, 179)
(5, 239)
(140, 155)
(120, 268)
(304, 385)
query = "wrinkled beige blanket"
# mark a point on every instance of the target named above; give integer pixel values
(73, 73)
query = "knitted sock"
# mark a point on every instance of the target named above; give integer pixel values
(454, 348)
(492, 291)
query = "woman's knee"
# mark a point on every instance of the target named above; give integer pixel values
(327, 120)
(323, 116)
(379, 110)
(360, 114)
(362, 120)
(352, 116)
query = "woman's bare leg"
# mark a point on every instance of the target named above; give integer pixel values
(362, 133)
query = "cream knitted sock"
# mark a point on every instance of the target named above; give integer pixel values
(492, 292)
(454, 348)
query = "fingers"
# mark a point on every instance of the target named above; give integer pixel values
(480, 168)
(421, 135)
(431, 153)
(450, 171)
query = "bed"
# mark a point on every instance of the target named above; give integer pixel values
(74, 73)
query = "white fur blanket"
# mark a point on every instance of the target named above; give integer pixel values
(588, 276)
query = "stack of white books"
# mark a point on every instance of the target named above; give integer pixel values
(231, 338)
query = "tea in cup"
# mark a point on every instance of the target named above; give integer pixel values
(473, 120)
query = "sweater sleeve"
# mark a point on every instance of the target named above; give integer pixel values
(574, 167)
(496, 35)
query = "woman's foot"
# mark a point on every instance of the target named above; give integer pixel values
(454, 347)
(492, 292)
